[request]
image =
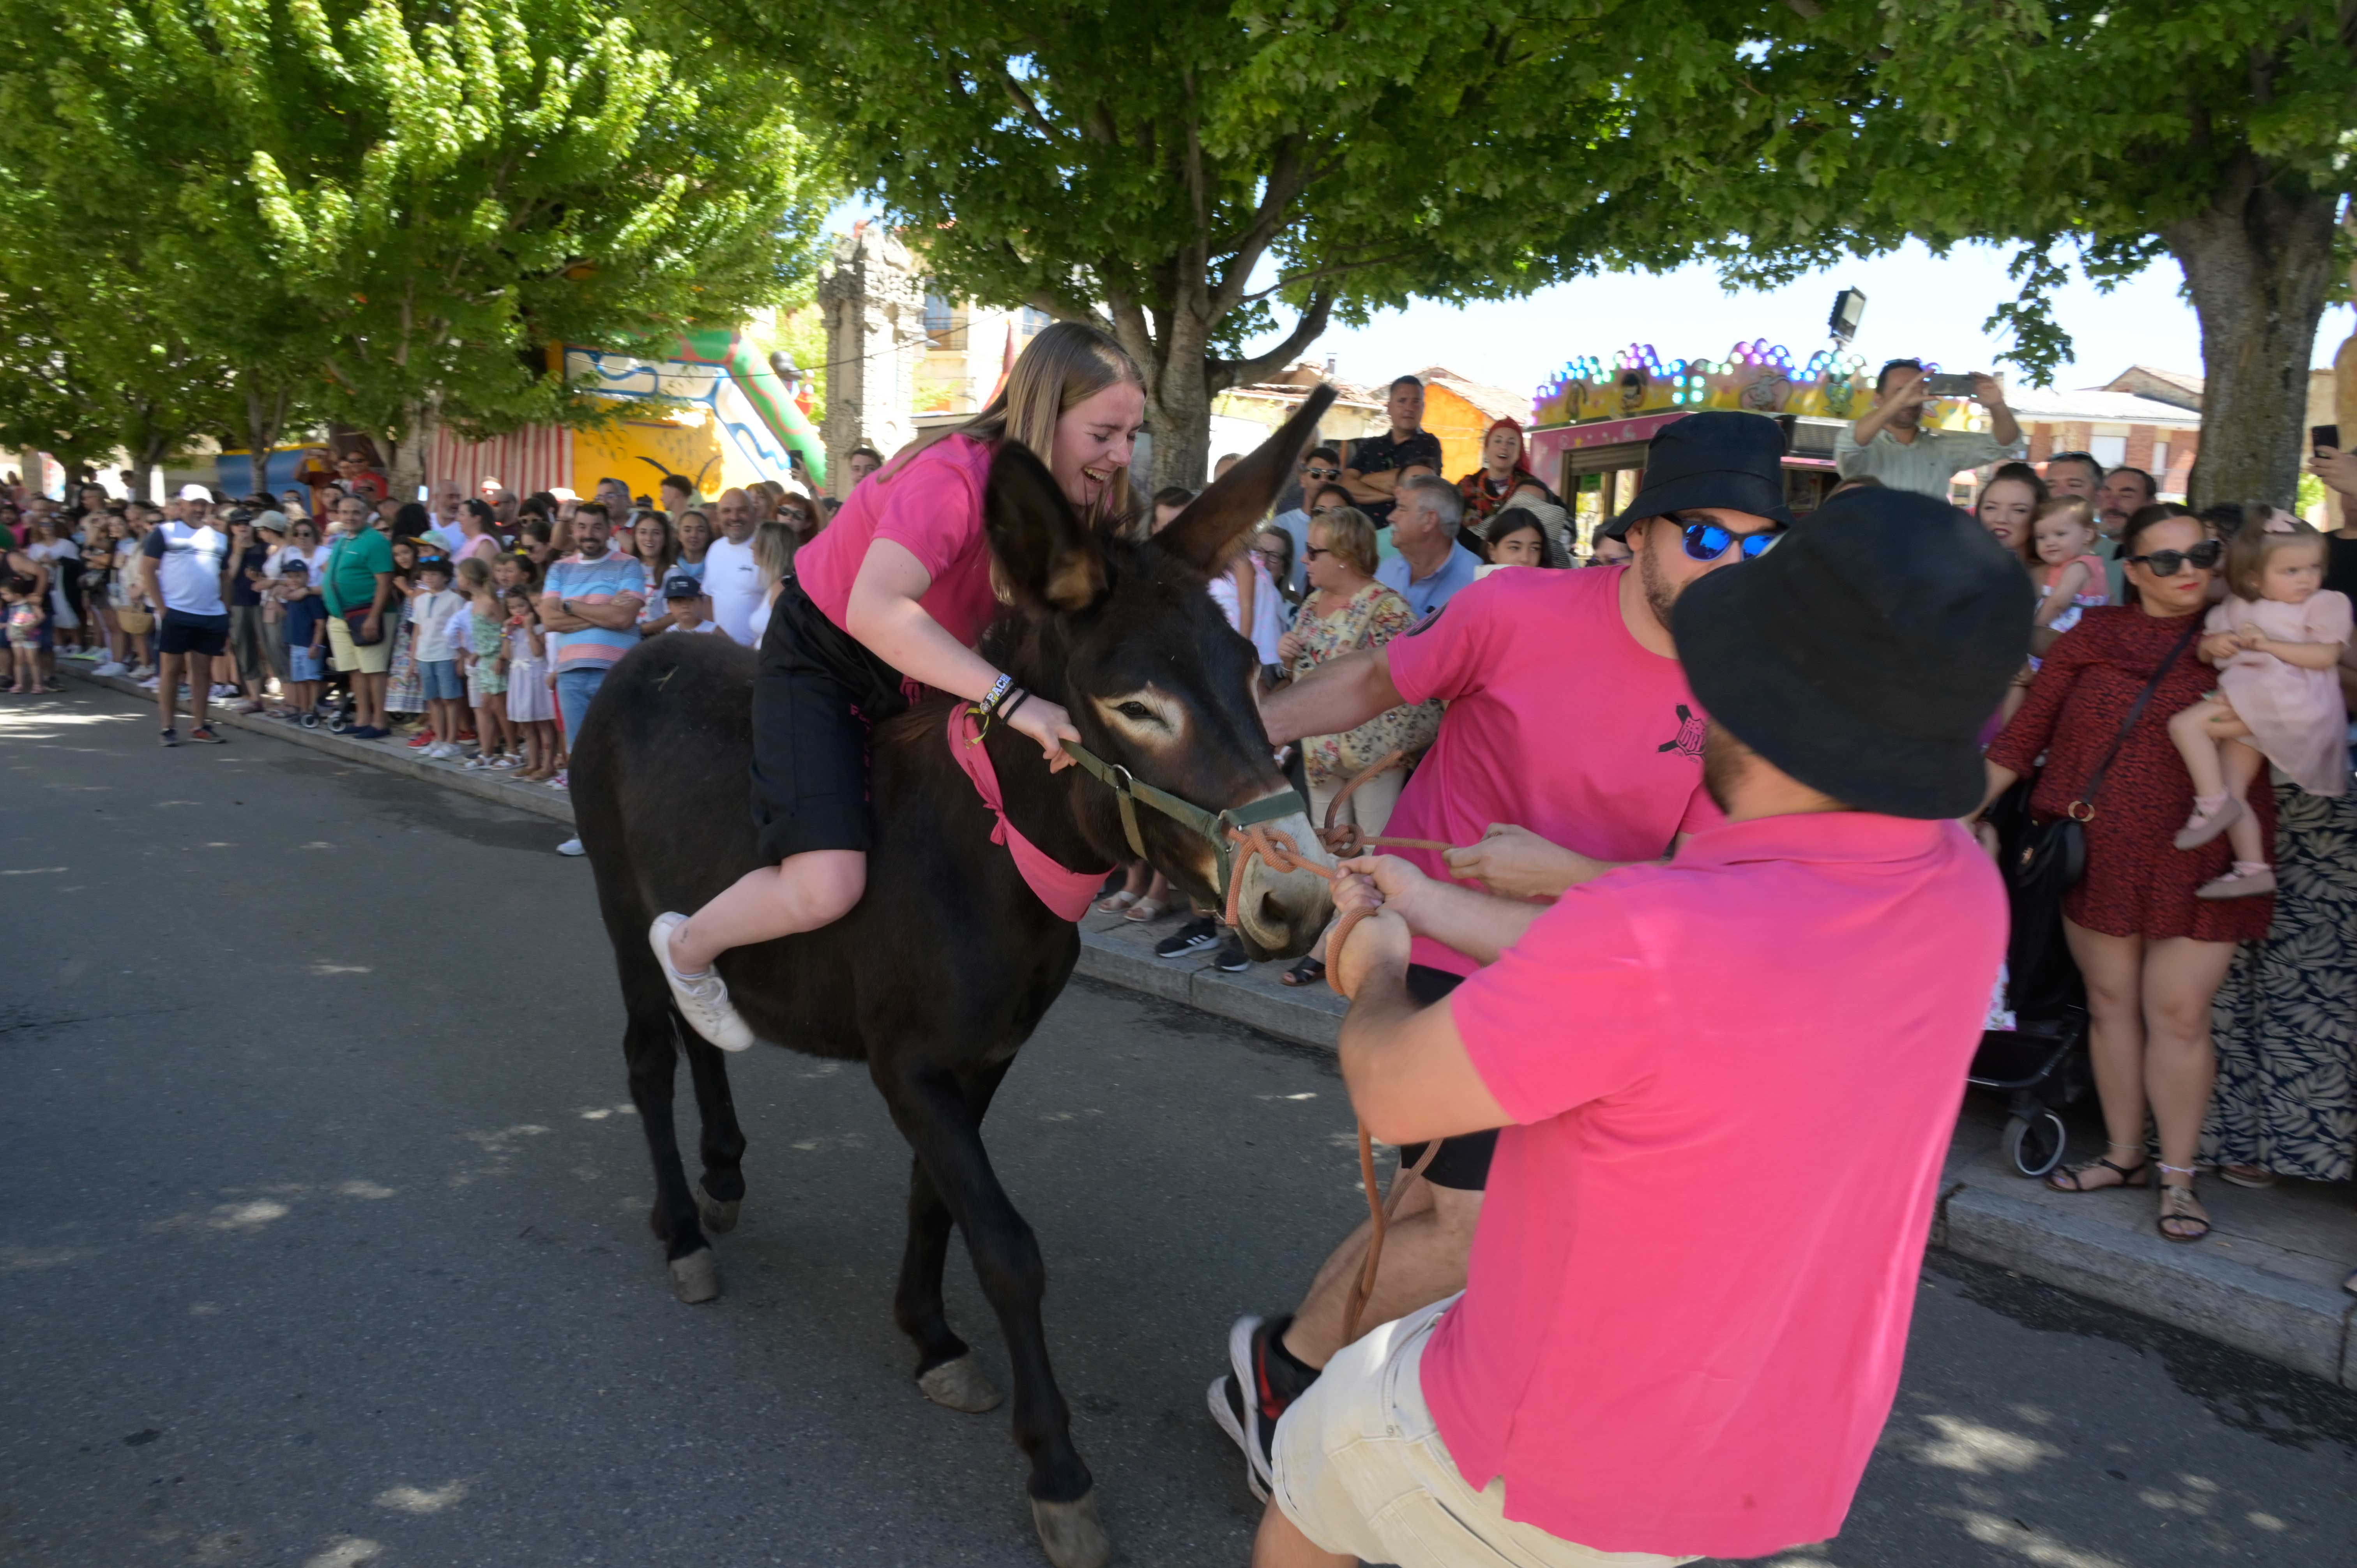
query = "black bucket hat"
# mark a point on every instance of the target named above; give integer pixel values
(1722, 457)
(1863, 653)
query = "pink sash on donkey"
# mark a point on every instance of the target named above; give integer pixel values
(1063, 890)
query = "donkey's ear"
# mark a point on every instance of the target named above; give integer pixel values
(1208, 531)
(1049, 557)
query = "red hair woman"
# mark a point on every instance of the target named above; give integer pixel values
(1505, 468)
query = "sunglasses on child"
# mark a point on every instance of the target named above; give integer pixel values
(1321, 473)
(1708, 541)
(2164, 562)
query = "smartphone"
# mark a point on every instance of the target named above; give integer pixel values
(1945, 385)
(2324, 435)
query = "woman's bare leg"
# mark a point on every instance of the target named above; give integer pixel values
(2113, 968)
(2180, 977)
(809, 890)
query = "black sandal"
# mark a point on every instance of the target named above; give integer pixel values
(2173, 1199)
(1307, 971)
(2067, 1179)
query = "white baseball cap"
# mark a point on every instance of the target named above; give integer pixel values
(194, 493)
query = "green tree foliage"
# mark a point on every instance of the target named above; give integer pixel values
(2103, 134)
(402, 203)
(1173, 171)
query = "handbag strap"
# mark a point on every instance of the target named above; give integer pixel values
(2143, 699)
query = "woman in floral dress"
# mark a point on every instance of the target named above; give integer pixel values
(1348, 610)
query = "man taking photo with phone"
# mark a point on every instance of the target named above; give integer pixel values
(1892, 445)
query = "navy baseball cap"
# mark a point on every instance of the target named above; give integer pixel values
(680, 586)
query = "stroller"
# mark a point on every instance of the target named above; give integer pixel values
(2040, 1061)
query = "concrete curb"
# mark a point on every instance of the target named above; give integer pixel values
(2210, 1290)
(2301, 1325)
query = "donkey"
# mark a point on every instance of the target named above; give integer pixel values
(942, 971)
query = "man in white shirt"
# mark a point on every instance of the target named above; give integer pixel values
(1892, 443)
(732, 577)
(181, 568)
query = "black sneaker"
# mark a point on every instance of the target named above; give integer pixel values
(203, 736)
(1198, 935)
(1230, 959)
(1244, 1404)
(168, 736)
(1231, 1414)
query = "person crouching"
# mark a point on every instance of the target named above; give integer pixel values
(1672, 1343)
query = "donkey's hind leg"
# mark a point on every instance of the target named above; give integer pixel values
(650, 1044)
(722, 1188)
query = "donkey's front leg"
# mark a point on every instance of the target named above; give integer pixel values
(938, 1118)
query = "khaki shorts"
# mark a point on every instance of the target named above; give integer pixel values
(1361, 1469)
(349, 656)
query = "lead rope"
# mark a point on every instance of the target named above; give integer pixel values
(1277, 849)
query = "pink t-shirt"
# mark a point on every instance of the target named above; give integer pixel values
(1557, 721)
(1734, 1078)
(931, 507)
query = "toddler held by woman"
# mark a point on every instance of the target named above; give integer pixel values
(2071, 577)
(2276, 640)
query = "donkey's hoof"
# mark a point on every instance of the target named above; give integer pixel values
(961, 1385)
(1073, 1533)
(695, 1279)
(719, 1218)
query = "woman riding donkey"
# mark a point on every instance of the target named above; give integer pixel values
(898, 589)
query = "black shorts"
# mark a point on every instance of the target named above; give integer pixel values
(816, 695)
(1463, 1163)
(205, 635)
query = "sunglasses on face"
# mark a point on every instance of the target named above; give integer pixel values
(1322, 473)
(2164, 562)
(1312, 551)
(1708, 541)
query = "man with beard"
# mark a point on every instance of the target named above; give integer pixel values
(591, 603)
(1623, 786)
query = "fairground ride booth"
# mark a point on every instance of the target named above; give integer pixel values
(1591, 421)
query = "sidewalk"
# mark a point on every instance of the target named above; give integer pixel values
(2267, 1280)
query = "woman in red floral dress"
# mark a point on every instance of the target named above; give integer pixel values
(2151, 952)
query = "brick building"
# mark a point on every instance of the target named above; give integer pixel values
(2143, 418)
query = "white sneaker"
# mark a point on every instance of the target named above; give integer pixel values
(702, 1000)
(571, 847)
(150, 684)
(112, 666)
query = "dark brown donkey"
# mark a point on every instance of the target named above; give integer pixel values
(942, 971)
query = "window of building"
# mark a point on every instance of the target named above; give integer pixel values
(2159, 460)
(940, 316)
(2111, 451)
(1032, 322)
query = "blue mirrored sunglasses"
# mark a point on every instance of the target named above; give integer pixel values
(1708, 541)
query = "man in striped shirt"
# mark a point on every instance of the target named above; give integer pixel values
(590, 602)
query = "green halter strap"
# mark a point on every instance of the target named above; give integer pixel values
(1214, 827)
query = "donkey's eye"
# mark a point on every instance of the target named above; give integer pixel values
(1135, 710)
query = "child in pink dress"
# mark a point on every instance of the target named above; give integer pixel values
(2275, 640)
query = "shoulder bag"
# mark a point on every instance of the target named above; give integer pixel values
(2051, 857)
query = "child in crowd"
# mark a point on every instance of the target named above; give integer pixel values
(2071, 575)
(23, 633)
(2276, 640)
(403, 693)
(486, 667)
(690, 611)
(432, 608)
(467, 576)
(302, 623)
(532, 711)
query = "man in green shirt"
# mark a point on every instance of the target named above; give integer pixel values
(357, 585)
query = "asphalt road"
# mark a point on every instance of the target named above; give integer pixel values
(323, 1243)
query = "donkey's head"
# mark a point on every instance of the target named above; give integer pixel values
(1124, 635)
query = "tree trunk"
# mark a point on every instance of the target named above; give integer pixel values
(266, 415)
(2257, 263)
(404, 460)
(1179, 413)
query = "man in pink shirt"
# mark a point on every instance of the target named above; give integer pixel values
(1675, 1344)
(1569, 717)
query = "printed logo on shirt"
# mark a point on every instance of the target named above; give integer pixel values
(1687, 742)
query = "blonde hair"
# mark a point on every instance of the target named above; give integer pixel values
(2256, 543)
(474, 574)
(2081, 510)
(1064, 366)
(773, 549)
(1351, 534)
